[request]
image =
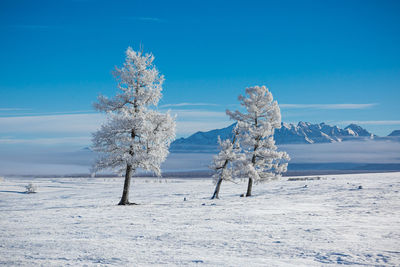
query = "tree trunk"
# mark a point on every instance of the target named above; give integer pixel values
(127, 183)
(249, 187)
(253, 161)
(217, 187)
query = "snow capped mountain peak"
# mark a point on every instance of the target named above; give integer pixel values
(395, 133)
(303, 124)
(302, 133)
(358, 130)
(286, 125)
(350, 131)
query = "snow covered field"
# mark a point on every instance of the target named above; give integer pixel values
(76, 222)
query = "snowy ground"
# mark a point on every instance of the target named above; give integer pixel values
(76, 222)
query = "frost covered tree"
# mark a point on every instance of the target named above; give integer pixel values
(222, 164)
(135, 135)
(256, 127)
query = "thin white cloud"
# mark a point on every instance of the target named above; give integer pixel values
(380, 122)
(328, 106)
(188, 105)
(192, 120)
(149, 19)
(196, 114)
(66, 123)
(13, 109)
(57, 128)
(32, 27)
(20, 114)
(84, 140)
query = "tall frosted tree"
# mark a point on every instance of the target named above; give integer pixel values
(256, 127)
(135, 134)
(223, 163)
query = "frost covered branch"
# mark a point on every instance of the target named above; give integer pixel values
(262, 161)
(135, 135)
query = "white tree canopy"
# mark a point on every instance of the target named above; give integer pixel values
(135, 133)
(230, 153)
(256, 127)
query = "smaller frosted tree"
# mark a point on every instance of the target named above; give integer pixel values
(256, 128)
(135, 135)
(223, 162)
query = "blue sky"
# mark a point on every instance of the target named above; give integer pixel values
(324, 61)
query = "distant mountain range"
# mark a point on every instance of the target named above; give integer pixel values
(302, 133)
(395, 133)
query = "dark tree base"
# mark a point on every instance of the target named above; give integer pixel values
(127, 204)
(249, 187)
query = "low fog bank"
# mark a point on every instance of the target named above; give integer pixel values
(62, 160)
(44, 160)
(350, 151)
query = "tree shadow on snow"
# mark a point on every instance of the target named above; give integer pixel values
(17, 192)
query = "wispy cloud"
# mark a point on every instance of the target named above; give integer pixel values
(328, 106)
(193, 120)
(31, 27)
(57, 128)
(185, 104)
(14, 109)
(145, 19)
(20, 114)
(66, 123)
(84, 140)
(380, 122)
(197, 114)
